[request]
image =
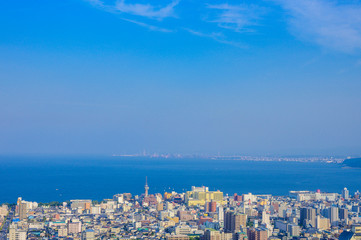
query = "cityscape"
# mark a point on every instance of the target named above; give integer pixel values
(180, 120)
(195, 214)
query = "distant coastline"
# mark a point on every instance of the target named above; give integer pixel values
(352, 163)
(308, 159)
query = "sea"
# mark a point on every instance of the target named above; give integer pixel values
(45, 179)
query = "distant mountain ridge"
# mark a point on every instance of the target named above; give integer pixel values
(352, 162)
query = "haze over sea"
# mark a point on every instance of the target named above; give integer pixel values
(64, 178)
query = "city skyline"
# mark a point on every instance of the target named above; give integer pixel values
(180, 120)
(116, 77)
(197, 214)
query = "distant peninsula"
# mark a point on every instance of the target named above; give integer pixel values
(352, 162)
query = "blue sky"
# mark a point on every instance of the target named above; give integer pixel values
(235, 77)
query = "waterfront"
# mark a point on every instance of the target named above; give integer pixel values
(64, 178)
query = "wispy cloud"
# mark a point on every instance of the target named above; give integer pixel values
(331, 24)
(201, 34)
(99, 3)
(217, 36)
(148, 26)
(238, 18)
(147, 10)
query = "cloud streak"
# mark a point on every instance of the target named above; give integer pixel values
(147, 10)
(238, 18)
(139, 10)
(326, 23)
(332, 24)
(216, 36)
(148, 26)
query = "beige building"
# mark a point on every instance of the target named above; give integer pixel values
(83, 204)
(62, 232)
(4, 210)
(322, 223)
(201, 195)
(356, 228)
(22, 210)
(88, 235)
(15, 234)
(74, 227)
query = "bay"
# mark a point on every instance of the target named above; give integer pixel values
(45, 179)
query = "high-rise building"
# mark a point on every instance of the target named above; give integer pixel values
(308, 216)
(282, 211)
(233, 222)
(265, 218)
(211, 206)
(227, 221)
(343, 213)
(293, 230)
(257, 234)
(22, 210)
(146, 187)
(345, 194)
(216, 235)
(237, 198)
(220, 212)
(333, 215)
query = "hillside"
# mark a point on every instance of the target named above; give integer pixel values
(352, 162)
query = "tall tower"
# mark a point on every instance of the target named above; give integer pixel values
(345, 194)
(146, 188)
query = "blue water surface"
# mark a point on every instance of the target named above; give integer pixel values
(45, 179)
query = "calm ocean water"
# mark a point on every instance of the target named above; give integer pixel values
(65, 178)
